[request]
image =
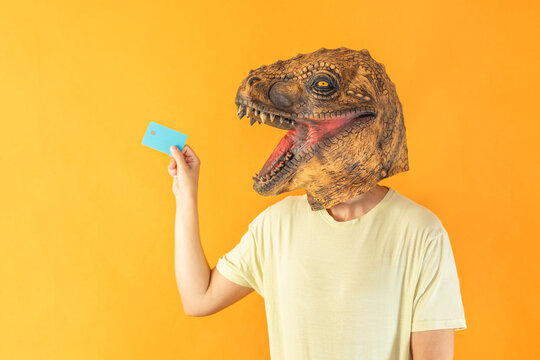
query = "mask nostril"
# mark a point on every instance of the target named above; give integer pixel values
(284, 94)
(252, 80)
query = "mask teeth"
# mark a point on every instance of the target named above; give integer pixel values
(241, 111)
(275, 169)
(261, 116)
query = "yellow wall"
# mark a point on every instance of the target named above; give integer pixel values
(87, 212)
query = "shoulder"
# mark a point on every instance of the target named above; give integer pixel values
(287, 205)
(274, 219)
(416, 216)
(282, 210)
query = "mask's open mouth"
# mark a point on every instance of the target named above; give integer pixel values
(304, 137)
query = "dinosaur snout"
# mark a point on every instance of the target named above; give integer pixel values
(284, 94)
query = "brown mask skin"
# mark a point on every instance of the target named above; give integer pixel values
(344, 121)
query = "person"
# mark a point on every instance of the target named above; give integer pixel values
(373, 277)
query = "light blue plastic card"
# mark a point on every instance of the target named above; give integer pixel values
(161, 138)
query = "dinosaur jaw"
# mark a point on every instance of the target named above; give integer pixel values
(304, 138)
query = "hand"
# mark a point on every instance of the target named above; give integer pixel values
(184, 168)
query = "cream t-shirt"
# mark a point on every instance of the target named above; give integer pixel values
(348, 290)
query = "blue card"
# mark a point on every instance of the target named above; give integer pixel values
(161, 138)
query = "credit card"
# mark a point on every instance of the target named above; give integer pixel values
(161, 138)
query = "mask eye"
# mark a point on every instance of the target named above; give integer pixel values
(324, 84)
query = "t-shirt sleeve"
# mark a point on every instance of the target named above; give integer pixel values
(437, 300)
(244, 263)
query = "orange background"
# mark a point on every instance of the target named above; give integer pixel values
(87, 212)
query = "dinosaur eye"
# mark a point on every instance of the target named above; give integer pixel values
(324, 84)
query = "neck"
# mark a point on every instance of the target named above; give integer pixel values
(358, 206)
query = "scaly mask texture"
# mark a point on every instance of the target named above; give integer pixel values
(344, 123)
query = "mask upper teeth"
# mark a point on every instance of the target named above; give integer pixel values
(241, 111)
(260, 116)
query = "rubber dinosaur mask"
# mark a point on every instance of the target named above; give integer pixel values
(344, 123)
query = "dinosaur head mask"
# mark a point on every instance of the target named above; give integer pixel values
(344, 123)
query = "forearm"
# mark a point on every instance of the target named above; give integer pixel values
(191, 267)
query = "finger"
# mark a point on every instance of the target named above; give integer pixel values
(172, 168)
(178, 157)
(190, 155)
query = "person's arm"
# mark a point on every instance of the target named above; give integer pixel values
(203, 291)
(433, 344)
(438, 309)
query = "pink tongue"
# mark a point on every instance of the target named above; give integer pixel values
(284, 145)
(313, 133)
